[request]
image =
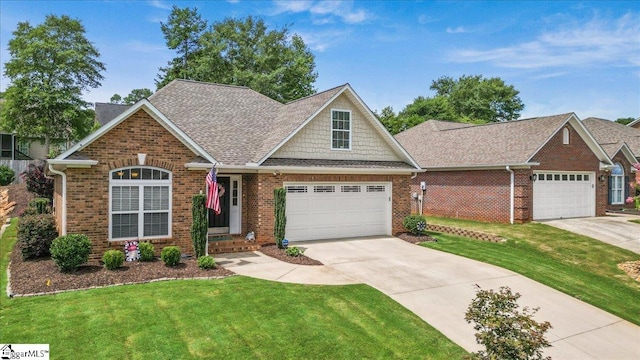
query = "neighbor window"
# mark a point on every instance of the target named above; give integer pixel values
(6, 146)
(616, 185)
(341, 129)
(565, 136)
(140, 203)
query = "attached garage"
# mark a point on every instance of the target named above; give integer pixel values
(563, 195)
(337, 210)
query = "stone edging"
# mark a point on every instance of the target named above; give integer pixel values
(478, 235)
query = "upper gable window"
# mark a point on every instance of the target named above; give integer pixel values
(341, 129)
(565, 136)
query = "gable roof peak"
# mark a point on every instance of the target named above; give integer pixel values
(318, 93)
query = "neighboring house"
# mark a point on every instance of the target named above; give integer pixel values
(622, 144)
(635, 123)
(516, 171)
(106, 112)
(134, 178)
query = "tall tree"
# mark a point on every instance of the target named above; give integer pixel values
(625, 121)
(116, 99)
(182, 33)
(245, 52)
(134, 96)
(49, 67)
(476, 99)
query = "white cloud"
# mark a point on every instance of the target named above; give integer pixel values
(159, 4)
(320, 41)
(426, 19)
(599, 41)
(457, 30)
(323, 11)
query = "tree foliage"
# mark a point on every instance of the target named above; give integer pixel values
(505, 331)
(50, 66)
(471, 99)
(625, 121)
(241, 52)
(37, 181)
(134, 96)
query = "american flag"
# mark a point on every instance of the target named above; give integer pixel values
(213, 202)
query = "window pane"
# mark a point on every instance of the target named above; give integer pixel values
(125, 198)
(147, 174)
(156, 224)
(156, 198)
(124, 226)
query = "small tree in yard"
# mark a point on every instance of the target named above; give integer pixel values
(37, 181)
(280, 201)
(199, 225)
(506, 332)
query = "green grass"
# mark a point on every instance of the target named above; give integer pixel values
(236, 318)
(574, 264)
(635, 221)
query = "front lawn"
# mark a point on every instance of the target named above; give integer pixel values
(574, 264)
(635, 221)
(236, 318)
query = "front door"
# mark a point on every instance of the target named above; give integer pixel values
(219, 224)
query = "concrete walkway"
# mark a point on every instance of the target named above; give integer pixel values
(614, 229)
(438, 287)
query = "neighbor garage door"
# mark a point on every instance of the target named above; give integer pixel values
(337, 210)
(563, 195)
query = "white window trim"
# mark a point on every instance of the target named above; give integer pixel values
(565, 136)
(347, 131)
(614, 188)
(141, 184)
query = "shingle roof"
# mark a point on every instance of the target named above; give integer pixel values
(106, 112)
(440, 144)
(611, 135)
(337, 163)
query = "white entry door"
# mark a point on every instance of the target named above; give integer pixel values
(337, 210)
(563, 195)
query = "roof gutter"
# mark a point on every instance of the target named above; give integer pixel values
(511, 194)
(63, 215)
(301, 169)
(527, 165)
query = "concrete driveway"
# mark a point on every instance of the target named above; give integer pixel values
(438, 287)
(614, 229)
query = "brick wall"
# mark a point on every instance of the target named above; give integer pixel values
(485, 194)
(88, 189)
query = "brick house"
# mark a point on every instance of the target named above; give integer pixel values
(134, 178)
(635, 124)
(622, 144)
(517, 171)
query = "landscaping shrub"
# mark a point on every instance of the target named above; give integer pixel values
(40, 206)
(200, 225)
(113, 259)
(293, 251)
(171, 255)
(416, 224)
(7, 175)
(505, 332)
(35, 234)
(280, 202)
(206, 262)
(70, 251)
(146, 251)
(37, 182)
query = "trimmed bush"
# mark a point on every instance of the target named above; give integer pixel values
(279, 206)
(70, 251)
(40, 205)
(35, 235)
(7, 175)
(171, 255)
(200, 225)
(147, 252)
(416, 224)
(113, 259)
(206, 262)
(293, 251)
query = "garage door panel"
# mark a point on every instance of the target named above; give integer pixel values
(563, 195)
(349, 210)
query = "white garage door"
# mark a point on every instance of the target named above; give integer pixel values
(563, 195)
(337, 210)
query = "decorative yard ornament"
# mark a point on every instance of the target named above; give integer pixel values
(285, 243)
(132, 251)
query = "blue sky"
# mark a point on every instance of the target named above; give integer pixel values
(575, 56)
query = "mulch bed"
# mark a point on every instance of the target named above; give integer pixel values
(43, 276)
(416, 239)
(280, 254)
(632, 268)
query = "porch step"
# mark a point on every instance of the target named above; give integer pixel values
(231, 246)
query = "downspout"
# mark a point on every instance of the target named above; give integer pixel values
(63, 225)
(511, 194)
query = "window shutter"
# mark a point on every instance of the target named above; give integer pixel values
(609, 192)
(626, 188)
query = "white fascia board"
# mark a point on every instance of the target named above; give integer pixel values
(145, 105)
(73, 163)
(628, 154)
(528, 165)
(298, 169)
(636, 121)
